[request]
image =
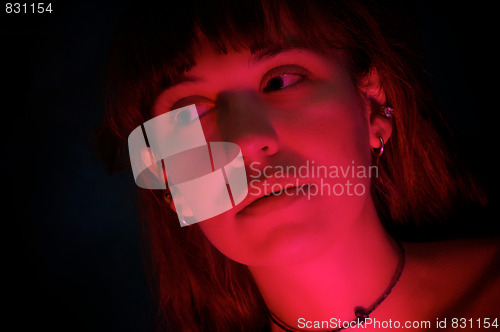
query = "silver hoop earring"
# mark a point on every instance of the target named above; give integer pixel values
(378, 152)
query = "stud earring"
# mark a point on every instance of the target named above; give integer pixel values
(386, 112)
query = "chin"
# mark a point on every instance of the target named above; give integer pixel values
(288, 236)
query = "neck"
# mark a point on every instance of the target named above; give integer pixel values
(355, 271)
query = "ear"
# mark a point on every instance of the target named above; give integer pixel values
(376, 99)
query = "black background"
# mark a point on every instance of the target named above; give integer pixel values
(72, 254)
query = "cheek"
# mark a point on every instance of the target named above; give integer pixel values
(331, 127)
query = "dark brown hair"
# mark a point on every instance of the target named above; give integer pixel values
(195, 286)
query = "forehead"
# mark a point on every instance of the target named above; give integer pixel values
(204, 48)
(206, 59)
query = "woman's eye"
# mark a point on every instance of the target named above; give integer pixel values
(188, 110)
(282, 81)
(185, 115)
(283, 77)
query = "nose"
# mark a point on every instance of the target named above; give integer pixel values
(243, 120)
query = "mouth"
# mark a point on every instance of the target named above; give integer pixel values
(275, 200)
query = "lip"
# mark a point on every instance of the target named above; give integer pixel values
(270, 200)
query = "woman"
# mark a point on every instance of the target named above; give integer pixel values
(320, 86)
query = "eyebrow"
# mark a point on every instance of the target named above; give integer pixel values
(274, 50)
(182, 79)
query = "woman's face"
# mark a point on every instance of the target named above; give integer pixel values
(302, 129)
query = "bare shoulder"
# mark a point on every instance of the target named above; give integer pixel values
(475, 250)
(461, 276)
